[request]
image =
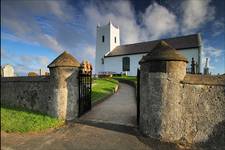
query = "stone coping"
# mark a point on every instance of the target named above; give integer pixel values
(196, 79)
(64, 60)
(163, 52)
(26, 79)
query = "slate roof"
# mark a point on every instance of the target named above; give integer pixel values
(163, 52)
(182, 42)
(64, 60)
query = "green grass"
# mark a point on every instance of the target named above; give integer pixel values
(20, 120)
(102, 88)
(131, 78)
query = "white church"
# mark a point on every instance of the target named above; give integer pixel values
(111, 57)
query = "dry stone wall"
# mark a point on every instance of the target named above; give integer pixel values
(56, 95)
(203, 107)
(182, 111)
(28, 92)
(179, 107)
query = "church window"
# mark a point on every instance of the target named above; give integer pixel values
(115, 39)
(126, 63)
(102, 60)
(103, 39)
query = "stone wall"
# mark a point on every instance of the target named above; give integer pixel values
(56, 95)
(28, 92)
(186, 111)
(179, 107)
(203, 106)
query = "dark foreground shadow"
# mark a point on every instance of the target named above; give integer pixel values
(216, 140)
(109, 126)
(156, 144)
(153, 144)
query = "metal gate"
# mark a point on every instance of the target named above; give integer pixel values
(138, 95)
(84, 80)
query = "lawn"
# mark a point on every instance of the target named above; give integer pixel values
(102, 88)
(130, 78)
(20, 120)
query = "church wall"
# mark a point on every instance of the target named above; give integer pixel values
(101, 48)
(114, 32)
(109, 32)
(114, 64)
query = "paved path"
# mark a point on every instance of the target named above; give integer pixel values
(81, 137)
(120, 108)
(106, 133)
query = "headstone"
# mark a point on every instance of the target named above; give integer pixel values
(206, 68)
(8, 71)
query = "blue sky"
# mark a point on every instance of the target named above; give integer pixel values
(34, 32)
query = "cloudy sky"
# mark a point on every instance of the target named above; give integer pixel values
(34, 32)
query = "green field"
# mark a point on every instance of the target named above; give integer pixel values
(20, 120)
(102, 87)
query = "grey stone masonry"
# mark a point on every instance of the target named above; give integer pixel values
(64, 87)
(170, 108)
(27, 92)
(55, 95)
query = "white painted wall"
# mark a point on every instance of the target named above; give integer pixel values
(114, 64)
(109, 31)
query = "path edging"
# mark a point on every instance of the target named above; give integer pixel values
(131, 83)
(105, 97)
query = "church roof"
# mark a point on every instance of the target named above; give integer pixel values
(64, 60)
(182, 42)
(163, 52)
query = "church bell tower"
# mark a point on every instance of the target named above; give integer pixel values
(108, 37)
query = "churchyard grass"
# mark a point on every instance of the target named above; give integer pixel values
(130, 78)
(21, 120)
(102, 87)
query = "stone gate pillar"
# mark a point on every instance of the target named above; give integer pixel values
(64, 87)
(160, 111)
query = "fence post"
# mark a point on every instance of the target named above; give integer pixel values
(64, 87)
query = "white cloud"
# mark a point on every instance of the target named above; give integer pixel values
(51, 42)
(159, 21)
(195, 14)
(120, 13)
(54, 24)
(90, 50)
(155, 22)
(212, 51)
(24, 63)
(218, 27)
(213, 54)
(24, 22)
